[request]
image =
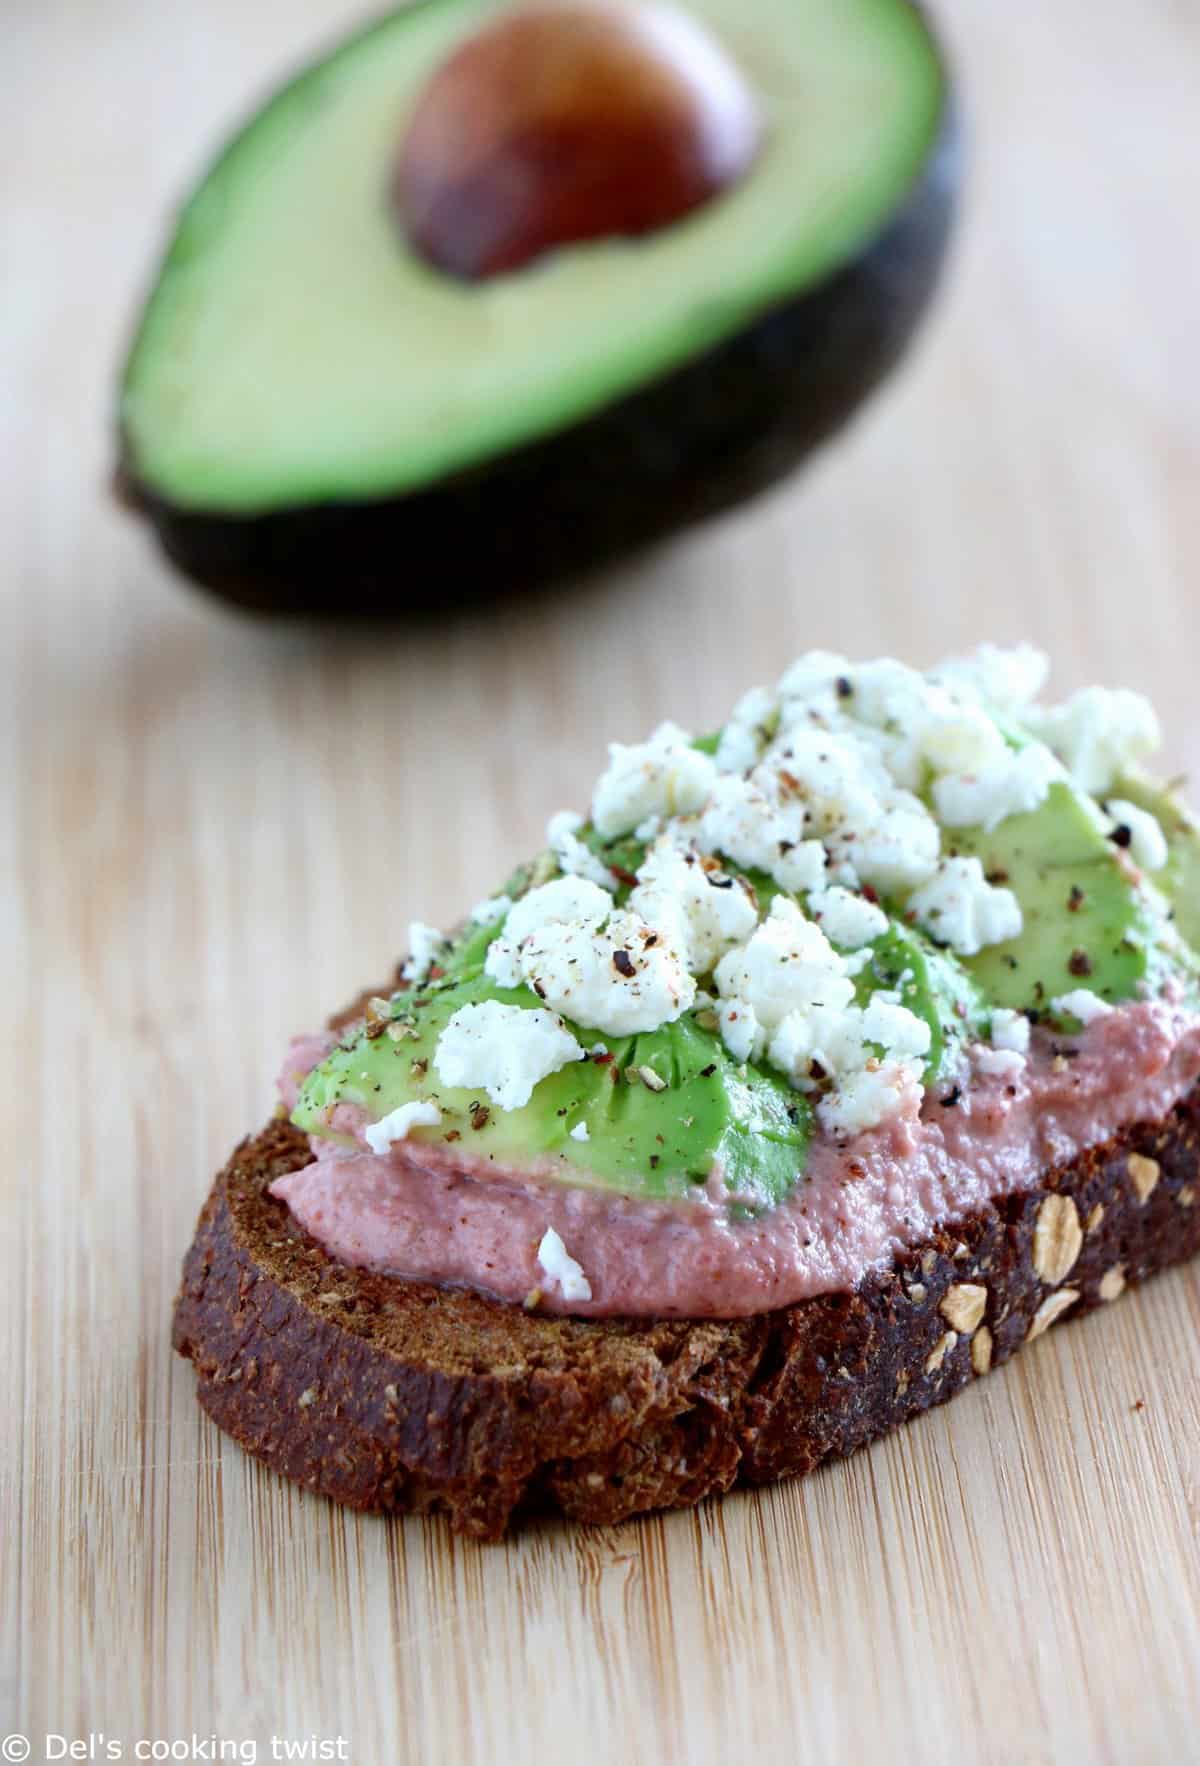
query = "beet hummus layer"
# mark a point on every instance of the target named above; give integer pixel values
(430, 1212)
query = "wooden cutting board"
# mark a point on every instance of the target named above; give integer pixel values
(219, 828)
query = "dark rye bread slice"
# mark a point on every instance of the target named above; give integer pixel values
(390, 1394)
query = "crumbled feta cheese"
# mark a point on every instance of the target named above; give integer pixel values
(956, 738)
(814, 676)
(1012, 785)
(1010, 1030)
(960, 908)
(831, 778)
(741, 1032)
(506, 1050)
(818, 1042)
(1081, 1003)
(801, 869)
(564, 901)
(705, 910)
(894, 852)
(894, 1027)
(747, 732)
(999, 1063)
(848, 919)
(1147, 842)
(741, 822)
(1005, 678)
(621, 977)
(561, 1268)
(396, 1124)
(575, 858)
(787, 964)
(664, 776)
(871, 1096)
(424, 945)
(486, 913)
(1098, 733)
(580, 1132)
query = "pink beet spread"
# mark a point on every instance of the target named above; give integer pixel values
(428, 1211)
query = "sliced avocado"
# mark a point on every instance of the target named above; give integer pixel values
(306, 401)
(1087, 923)
(1179, 879)
(641, 1141)
(930, 983)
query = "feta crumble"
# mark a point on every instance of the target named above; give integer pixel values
(486, 913)
(1007, 679)
(871, 1096)
(999, 1063)
(1147, 842)
(575, 858)
(740, 1029)
(580, 1132)
(960, 908)
(505, 1050)
(422, 1113)
(848, 919)
(425, 943)
(664, 776)
(1081, 1003)
(619, 977)
(563, 902)
(705, 910)
(1010, 1030)
(561, 1268)
(787, 964)
(1098, 733)
(747, 732)
(1015, 783)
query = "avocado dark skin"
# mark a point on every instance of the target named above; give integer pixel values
(722, 428)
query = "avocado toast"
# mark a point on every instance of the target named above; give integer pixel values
(833, 1057)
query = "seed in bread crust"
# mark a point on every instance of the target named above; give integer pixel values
(981, 1350)
(1187, 1197)
(1095, 1217)
(940, 1350)
(1143, 1174)
(1057, 1239)
(1112, 1282)
(964, 1305)
(1051, 1308)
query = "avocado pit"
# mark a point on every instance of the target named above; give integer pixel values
(561, 123)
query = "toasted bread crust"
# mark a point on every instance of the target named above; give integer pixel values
(397, 1395)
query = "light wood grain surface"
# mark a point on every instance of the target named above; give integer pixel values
(216, 830)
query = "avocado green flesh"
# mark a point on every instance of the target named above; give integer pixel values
(658, 1144)
(1086, 924)
(1179, 880)
(296, 350)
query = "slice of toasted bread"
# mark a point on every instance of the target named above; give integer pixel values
(390, 1394)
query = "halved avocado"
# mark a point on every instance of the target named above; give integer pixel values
(315, 418)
